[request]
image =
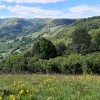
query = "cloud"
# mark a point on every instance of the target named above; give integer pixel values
(33, 11)
(2, 7)
(71, 15)
(12, 16)
(33, 1)
(37, 12)
(85, 9)
(81, 11)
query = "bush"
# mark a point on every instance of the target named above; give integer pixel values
(92, 62)
(44, 49)
(71, 64)
(74, 64)
(14, 64)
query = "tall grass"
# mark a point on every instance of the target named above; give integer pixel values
(49, 87)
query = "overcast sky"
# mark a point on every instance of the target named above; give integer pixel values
(49, 8)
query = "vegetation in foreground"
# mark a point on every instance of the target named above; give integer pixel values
(45, 58)
(49, 87)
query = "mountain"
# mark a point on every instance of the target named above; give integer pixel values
(18, 34)
(64, 34)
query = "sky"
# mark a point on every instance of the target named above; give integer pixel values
(49, 8)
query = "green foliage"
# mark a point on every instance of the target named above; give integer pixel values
(92, 62)
(61, 48)
(13, 64)
(81, 40)
(57, 22)
(89, 23)
(26, 40)
(20, 33)
(49, 87)
(64, 34)
(44, 49)
(28, 54)
(72, 64)
(68, 40)
(1, 56)
(96, 40)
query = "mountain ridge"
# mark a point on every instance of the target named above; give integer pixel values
(19, 33)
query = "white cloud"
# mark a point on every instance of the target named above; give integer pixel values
(12, 16)
(71, 15)
(85, 9)
(2, 7)
(37, 12)
(33, 1)
(33, 11)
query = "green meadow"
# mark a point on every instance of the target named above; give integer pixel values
(49, 87)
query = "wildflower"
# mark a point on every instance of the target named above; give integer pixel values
(2, 93)
(18, 96)
(27, 91)
(49, 98)
(19, 87)
(21, 92)
(0, 98)
(88, 77)
(15, 82)
(78, 93)
(12, 97)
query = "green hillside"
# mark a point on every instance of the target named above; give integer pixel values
(64, 34)
(68, 46)
(17, 34)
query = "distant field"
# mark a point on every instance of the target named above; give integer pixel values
(49, 87)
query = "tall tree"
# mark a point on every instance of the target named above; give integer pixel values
(81, 40)
(96, 40)
(61, 48)
(44, 49)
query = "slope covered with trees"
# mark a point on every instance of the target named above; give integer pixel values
(71, 49)
(90, 24)
(17, 34)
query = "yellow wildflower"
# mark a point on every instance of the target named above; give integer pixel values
(0, 98)
(12, 97)
(30, 95)
(78, 93)
(27, 91)
(21, 92)
(49, 98)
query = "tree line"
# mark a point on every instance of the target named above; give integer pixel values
(82, 55)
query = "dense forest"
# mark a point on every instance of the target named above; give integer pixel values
(65, 46)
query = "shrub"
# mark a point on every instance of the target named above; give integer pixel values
(44, 49)
(92, 62)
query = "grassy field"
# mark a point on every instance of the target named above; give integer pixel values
(49, 87)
